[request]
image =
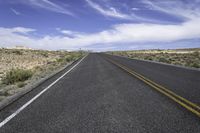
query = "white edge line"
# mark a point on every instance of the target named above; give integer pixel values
(6, 120)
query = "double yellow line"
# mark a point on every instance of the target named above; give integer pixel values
(192, 107)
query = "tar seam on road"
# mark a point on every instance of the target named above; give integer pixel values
(194, 108)
(35, 97)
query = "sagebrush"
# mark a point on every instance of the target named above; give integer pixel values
(16, 75)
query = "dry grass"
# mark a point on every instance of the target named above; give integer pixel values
(182, 57)
(14, 62)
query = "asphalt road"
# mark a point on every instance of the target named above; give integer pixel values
(182, 81)
(98, 97)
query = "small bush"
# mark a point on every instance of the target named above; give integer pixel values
(18, 52)
(4, 93)
(195, 65)
(161, 59)
(148, 58)
(60, 60)
(44, 54)
(21, 84)
(69, 58)
(196, 53)
(16, 75)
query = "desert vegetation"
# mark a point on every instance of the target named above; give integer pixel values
(182, 57)
(16, 75)
(19, 68)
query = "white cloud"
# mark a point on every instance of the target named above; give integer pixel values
(16, 30)
(23, 30)
(135, 9)
(48, 5)
(10, 37)
(15, 11)
(69, 32)
(122, 33)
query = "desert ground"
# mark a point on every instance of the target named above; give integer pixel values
(19, 67)
(182, 57)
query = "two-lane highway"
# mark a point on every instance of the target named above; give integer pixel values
(97, 96)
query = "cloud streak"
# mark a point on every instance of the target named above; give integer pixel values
(112, 12)
(48, 5)
(177, 8)
(15, 11)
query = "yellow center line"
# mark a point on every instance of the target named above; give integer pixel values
(192, 107)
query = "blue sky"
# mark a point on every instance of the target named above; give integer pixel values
(100, 24)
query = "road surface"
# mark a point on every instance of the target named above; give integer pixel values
(97, 96)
